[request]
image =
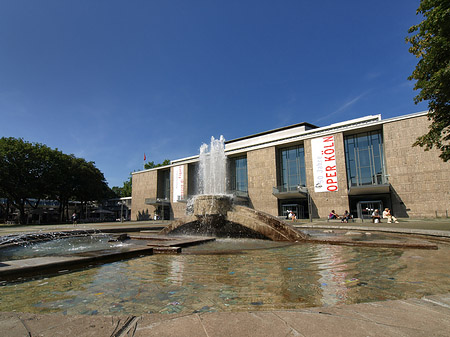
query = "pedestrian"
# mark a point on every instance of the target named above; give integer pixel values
(293, 216)
(74, 218)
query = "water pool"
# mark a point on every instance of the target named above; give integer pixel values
(59, 246)
(245, 275)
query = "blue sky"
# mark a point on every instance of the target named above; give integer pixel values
(110, 80)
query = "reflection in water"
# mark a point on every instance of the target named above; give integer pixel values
(283, 277)
(176, 272)
(333, 274)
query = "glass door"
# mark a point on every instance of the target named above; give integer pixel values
(366, 208)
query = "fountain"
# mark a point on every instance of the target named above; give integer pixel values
(213, 168)
(214, 212)
(228, 274)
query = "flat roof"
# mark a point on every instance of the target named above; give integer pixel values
(293, 133)
(308, 126)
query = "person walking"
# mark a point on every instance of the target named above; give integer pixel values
(293, 217)
(74, 218)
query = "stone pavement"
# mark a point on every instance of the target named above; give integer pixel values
(425, 226)
(428, 316)
(405, 224)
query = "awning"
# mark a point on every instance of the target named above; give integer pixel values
(157, 202)
(300, 192)
(369, 189)
(102, 211)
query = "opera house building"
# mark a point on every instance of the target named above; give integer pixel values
(358, 165)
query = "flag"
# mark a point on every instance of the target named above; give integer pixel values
(145, 158)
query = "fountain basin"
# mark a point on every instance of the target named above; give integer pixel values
(216, 215)
(212, 205)
(231, 275)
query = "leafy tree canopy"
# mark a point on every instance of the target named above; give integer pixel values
(30, 171)
(152, 164)
(125, 190)
(430, 42)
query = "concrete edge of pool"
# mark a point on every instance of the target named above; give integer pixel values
(157, 243)
(14, 269)
(426, 316)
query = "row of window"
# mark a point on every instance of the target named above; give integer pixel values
(363, 156)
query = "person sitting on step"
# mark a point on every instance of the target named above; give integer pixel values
(387, 215)
(333, 215)
(345, 217)
(376, 216)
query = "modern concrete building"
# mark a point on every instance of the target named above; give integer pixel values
(356, 165)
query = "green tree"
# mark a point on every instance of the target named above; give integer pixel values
(125, 190)
(430, 43)
(90, 183)
(152, 164)
(24, 173)
(76, 179)
(32, 171)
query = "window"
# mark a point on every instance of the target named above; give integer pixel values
(239, 178)
(365, 159)
(163, 184)
(292, 168)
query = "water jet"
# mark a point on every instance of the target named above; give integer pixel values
(214, 212)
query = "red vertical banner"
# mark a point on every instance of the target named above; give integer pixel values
(324, 164)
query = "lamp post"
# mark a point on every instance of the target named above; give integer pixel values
(121, 210)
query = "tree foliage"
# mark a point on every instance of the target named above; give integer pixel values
(125, 190)
(32, 171)
(430, 43)
(152, 164)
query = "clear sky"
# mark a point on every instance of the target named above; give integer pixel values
(110, 80)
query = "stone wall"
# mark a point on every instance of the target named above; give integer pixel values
(262, 177)
(324, 202)
(420, 180)
(144, 186)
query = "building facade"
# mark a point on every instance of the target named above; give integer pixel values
(356, 165)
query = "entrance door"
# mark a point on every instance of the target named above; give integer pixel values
(365, 208)
(296, 208)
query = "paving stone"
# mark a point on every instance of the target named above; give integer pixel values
(441, 300)
(429, 316)
(182, 325)
(11, 326)
(245, 324)
(61, 325)
(410, 314)
(329, 323)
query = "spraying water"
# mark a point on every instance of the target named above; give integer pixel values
(213, 168)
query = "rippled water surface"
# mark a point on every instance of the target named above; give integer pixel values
(245, 275)
(61, 246)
